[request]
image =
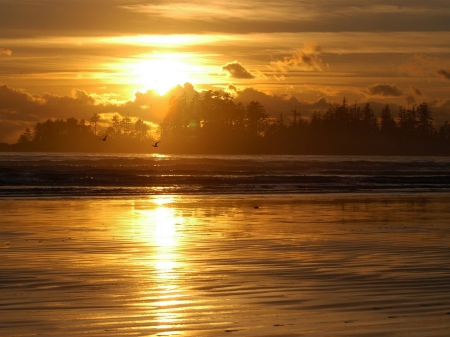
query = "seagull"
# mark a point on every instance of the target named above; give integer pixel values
(104, 138)
(156, 144)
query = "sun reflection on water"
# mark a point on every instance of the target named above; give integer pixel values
(160, 226)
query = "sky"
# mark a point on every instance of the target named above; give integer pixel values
(73, 58)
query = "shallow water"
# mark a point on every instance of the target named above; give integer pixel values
(214, 265)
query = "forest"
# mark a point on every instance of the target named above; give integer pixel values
(214, 124)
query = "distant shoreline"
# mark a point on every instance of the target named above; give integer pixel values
(312, 153)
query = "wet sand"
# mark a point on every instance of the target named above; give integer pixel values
(314, 265)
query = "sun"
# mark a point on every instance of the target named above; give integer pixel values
(160, 74)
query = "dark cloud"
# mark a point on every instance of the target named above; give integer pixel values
(4, 51)
(236, 70)
(416, 91)
(444, 73)
(385, 90)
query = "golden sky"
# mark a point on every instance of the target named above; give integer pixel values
(73, 58)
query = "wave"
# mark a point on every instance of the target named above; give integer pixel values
(48, 174)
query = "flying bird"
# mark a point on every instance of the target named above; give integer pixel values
(104, 138)
(156, 144)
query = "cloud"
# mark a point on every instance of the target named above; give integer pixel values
(410, 100)
(307, 59)
(231, 89)
(442, 103)
(4, 51)
(412, 69)
(281, 104)
(384, 90)
(236, 70)
(419, 65)
(444, 73)
(102, 17)
(416, 91)
(440, 108)
(289, 16)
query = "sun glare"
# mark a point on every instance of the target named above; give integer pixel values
(161, 74)
(159, 225)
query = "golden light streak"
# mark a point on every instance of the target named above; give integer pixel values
(206, 44)
(159, 225)
(167, 41)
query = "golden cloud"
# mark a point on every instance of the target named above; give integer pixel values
(307, 58)
(4, 51)
(236, 70)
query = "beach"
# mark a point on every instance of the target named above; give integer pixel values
(336, 264)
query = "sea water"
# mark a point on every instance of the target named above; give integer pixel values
(85, 174)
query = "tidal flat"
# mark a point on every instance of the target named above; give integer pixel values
(226, 265)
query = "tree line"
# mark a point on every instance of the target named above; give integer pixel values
(123, 135)
(214, 123)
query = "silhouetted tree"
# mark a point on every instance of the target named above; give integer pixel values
(25, 137)
(407, 120)
(174, 121)
(94, 119)
(212, 122)
(255, 115)
(276, 127)
(424, 121)
(369, 121)
(388, 125)
(316, 122)
(141, 129)
(337, 121)
(444, 131)
(127, 124)
(115, 125)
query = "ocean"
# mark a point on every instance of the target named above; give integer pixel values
(201, 246)
(85, 174)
